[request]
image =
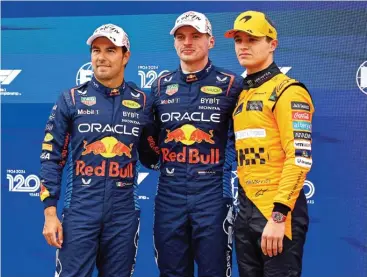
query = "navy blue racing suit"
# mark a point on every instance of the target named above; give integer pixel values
(194, 204)
(97, 132)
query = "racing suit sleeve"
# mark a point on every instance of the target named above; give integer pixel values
(293, 114)
(55, 150)
(149, 151)
(230, 152)
(230, 159)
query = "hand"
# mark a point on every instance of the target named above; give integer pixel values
(52, 230)
(272, 238)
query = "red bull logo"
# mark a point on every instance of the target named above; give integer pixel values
(176, 135)
(121, 149)
(188, 135)
(113, 170)
(192, 156)
(191, 78)
(107, 147)
(96, 147)
(199, 136)
(114, 92)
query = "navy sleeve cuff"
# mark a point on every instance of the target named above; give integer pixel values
(283, 209)
(50, 201)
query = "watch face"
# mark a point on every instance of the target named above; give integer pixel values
(278, 217)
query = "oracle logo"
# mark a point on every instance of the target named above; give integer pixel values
(301, 116)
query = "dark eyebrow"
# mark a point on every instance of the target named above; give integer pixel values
(108, 48)
(194, 33)
(250, 36)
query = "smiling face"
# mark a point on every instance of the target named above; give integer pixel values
(254, 53)
(192, 47)
(108, 60)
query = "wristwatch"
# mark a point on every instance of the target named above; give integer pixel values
(278, 217)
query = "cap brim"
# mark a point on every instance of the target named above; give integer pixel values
(174, 29)
(185, 24)
(232, 33)
(93, 37)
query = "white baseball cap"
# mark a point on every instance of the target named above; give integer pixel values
(195, 19)
(114, 33)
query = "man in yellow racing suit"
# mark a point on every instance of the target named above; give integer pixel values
(272, 124)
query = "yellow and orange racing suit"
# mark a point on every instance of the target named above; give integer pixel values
(272, 124)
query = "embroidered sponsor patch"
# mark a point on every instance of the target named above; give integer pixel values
(172, 89)
(89, 101)
(131, 104)
(300, 106)
(254, 106)
(211, 90)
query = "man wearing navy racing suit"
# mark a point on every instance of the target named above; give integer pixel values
(193, 206)
(97, 127)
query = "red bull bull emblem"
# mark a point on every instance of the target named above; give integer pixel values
(176, 135)
(191, 78)
(188, 135)
(107, 147)
(96, 148)
(199, 136)
(114, 92)
(121, 149)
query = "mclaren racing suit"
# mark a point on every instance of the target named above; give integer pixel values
(193, 206)
(96, 132)
(272, 124)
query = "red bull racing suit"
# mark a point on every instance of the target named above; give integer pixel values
(193, 206)
(272, 124)
(96, 131)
